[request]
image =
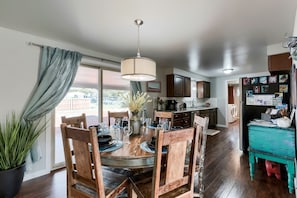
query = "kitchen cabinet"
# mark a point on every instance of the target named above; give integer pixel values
(178, 86)
(211, 114)
(279, 62)
(187, 87)
(182, 119)
(203, 89)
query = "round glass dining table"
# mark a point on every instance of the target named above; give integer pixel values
(131, 155)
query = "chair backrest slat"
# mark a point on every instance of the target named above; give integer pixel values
(76, 121)
(117, 115)
(201, 125)
(162, 114)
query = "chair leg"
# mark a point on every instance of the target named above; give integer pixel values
(130, 192)
(200, 185)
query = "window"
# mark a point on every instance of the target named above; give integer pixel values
(93, 95)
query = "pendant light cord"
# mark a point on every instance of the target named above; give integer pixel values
(138, 22)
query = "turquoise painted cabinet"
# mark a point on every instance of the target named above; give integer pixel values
(274, 144)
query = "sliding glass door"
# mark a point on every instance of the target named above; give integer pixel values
(94, 92)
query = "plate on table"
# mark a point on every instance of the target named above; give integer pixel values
(110, 144)
(151, 145)
(104, 140)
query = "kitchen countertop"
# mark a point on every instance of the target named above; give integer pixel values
(189, 109)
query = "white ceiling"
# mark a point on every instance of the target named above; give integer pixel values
(194, 35)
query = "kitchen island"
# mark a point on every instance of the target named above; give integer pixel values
(184, 117)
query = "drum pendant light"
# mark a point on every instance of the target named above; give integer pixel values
(138, 68)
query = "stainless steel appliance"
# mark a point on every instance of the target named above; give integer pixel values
(171, 105)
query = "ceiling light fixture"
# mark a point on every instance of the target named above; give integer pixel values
(228, 70)
(138, 68)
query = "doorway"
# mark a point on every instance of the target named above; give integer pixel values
(233, 102)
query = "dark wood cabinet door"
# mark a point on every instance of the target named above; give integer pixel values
(279, 62)
(187, 87)
(206, 89)
(170, 85)
(203, 89)
(178, 86)
(212, 118)
(182, 119)
(211, 114)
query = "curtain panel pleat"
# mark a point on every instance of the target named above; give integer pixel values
(136, 86)
(57, 71)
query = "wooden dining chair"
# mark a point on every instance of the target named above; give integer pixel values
(201, 125)
(87, 178)
(117, 115)
(170, 180)
(163, 115)
(76, 121)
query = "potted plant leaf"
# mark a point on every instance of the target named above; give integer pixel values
(16, 139)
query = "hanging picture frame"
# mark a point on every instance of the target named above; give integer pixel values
(283, 88)
(246, 81)
(263, 79)
(272, 79)
(283, 78)
(256, 89)
(254, 80)
(153, 86)
(264, 89)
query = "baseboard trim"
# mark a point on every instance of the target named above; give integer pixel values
(29, 176)
(221, 125)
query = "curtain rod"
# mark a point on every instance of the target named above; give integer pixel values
(85, 55)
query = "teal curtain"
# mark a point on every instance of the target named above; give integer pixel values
(136, 86)
(57, 71)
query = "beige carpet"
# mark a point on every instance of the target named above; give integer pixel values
(212, 132)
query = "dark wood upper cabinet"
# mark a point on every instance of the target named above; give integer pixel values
(279, 62)
(203, 89)
(187, 87)
(178, 86)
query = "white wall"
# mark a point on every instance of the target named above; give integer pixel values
(18, 74)
(295, 26)
(219, 90)
(276, 49)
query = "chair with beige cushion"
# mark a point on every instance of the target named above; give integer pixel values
(76, 121)
(85, 175)
(201, 125)
(170, 180)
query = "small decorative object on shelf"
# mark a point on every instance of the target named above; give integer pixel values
(136, 104)
(292, 44)
(160, 104)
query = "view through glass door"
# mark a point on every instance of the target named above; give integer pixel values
(85, 97)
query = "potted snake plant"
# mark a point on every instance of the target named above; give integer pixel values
(16, 139)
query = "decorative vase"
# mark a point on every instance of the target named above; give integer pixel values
(135, 123)
(135, 126)
(11, 181)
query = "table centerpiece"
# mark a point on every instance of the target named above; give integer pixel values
(136, 104)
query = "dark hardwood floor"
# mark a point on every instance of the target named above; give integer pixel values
(226, 174)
